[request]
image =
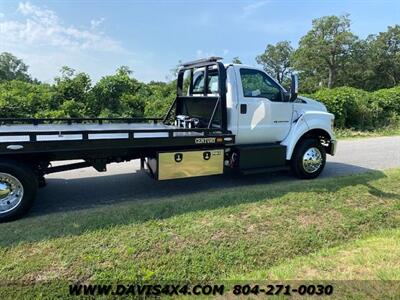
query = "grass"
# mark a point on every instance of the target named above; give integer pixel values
(370, 258)
(353, 133)
(333, 228)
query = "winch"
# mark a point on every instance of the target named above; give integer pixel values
(186, 121)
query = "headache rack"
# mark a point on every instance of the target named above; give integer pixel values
(207, 65)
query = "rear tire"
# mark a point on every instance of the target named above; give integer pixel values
(18, 187)
(308, 159)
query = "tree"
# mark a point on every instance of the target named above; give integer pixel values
(374, 63)
(20, 99)
(276, 59)
(13, 68)
(357, 70)
(161, 97)
(324, 50)
(384, 54)
(236, 60)
(118, 95)
(71, 92)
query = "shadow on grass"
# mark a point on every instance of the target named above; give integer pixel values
(74, 206)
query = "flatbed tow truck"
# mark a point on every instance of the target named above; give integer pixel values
(223, 117)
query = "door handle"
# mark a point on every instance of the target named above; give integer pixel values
(243, 109)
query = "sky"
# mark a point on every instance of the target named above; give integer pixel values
(151, 37)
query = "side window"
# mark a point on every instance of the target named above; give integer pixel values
(258, 85)
(198, 84)
(213, 84)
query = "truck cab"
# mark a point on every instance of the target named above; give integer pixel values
(273, 127)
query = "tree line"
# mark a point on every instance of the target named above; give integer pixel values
(329, 56)
(73, 95)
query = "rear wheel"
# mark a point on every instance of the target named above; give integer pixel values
(308, 159)
(18, 187)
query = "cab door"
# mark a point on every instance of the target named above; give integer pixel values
(263, 115)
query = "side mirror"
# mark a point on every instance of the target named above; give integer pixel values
(294, 87)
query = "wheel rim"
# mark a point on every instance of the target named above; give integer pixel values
(312, 160)
(11, 192)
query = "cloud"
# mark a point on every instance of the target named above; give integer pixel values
(251, 8)
(204, 54)
(42, 15)
(42, 27)
(96, 23)
(201, 54)
(45, 42)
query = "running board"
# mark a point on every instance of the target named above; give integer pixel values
(261, 156)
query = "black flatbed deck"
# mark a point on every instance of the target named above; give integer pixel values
(73, 138)
(38, 141)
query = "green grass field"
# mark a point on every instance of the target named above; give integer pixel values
(336, 228)
(352, 133)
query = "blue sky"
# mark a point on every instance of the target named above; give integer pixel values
(152, 36)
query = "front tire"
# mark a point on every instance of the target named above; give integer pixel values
(308, 159)
(18, 187)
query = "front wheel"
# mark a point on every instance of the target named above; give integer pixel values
(18, 187)
(308, 159)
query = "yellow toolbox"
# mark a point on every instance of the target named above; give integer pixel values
(182, 164)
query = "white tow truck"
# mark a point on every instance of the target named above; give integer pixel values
(225, 116)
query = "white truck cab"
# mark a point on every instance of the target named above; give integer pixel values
(262, 112)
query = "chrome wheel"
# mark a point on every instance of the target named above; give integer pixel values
(11, 192)
(312, 160)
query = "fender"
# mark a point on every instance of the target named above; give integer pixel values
(308, 120)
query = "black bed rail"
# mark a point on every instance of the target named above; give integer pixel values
(70, 121)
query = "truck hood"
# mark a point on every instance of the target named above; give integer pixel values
(312, 104)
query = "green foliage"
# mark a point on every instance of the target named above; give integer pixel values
(236, 60)
(133, 104)
(361, 110)
(324, 50)
(71, 87)
(12, 68)
(72, 95)
(374, 63)
(107, 94)
(384, 53)
(161, 98)
(348, 133)
(345, 103)
(276, 59)
(328, 55)
(21, 99)
(388, 100)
